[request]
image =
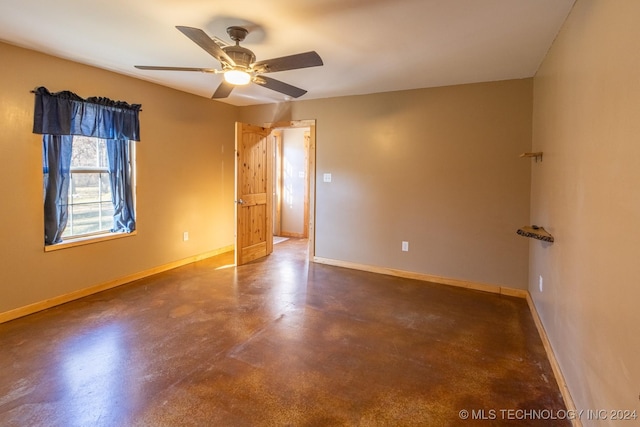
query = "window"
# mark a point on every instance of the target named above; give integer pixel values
(89, 187)
(88, 165)
(90, 202)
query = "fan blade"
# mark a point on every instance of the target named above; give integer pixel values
(223, 90)
(201, 38)
(292, 62)
(279, 86)
(151, 67)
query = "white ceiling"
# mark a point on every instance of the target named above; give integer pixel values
(367, 46)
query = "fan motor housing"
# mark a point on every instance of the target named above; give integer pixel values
(242, 56)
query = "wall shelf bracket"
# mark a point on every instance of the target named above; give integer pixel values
(535, 232)
(537, 155)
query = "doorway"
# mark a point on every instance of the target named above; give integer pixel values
(291, 182)
(309, 179)
(282, 185)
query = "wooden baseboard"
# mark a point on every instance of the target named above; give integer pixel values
(555, 366)
(61, 299)
(520, 293)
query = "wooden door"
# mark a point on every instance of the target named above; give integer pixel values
(254, 193)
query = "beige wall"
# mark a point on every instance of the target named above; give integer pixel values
(586, 193)
(185, 181)
(436, 167)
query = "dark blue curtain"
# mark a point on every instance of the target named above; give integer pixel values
(65, 113)
(56, 161)
(59, 116)
(118, 153)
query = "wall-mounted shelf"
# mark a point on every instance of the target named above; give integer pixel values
(535, 232)
(537, 155)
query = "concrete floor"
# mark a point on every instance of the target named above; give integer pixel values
(276, 342)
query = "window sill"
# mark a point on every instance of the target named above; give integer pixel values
(81, 241)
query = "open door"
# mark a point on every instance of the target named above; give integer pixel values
(310, 199)
(254, 193)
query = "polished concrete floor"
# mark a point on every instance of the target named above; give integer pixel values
(277, 342)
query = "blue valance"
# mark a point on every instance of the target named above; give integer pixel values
(65, 113)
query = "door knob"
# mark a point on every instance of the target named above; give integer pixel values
(240, 202)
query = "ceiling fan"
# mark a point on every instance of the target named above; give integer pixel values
(239, 64)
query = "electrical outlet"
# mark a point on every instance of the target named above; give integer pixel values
(540, 282)
(185, 236)
(405, 246)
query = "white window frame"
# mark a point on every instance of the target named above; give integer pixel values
(100, 236)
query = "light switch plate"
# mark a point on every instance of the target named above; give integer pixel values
(327, 177)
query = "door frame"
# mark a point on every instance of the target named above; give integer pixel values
(278, 181)
(311, 175)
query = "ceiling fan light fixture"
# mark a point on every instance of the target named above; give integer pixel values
(237, 77)
(239, 64)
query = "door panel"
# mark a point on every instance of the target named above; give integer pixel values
(254, 193)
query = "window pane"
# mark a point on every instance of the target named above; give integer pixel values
(89, 218)
(90, 196)
(90, 204)
(103, 162)
(86, 187)
(105, 188)
(106, 217)
(85, 152)
(89, 152)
